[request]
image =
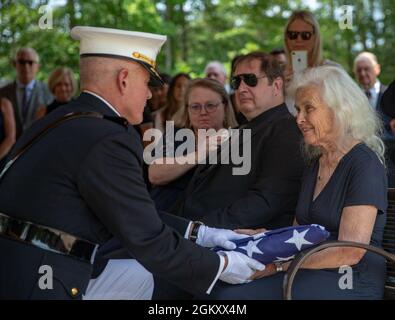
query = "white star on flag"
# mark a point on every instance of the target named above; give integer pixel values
(251, 248)
(298, 239)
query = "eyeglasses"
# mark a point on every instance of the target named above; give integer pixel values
(249, 79)
(23, 62)
(293, 35)
(209, 107)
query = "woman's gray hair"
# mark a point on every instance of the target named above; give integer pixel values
(354, 117)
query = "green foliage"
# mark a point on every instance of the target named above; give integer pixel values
(198, 30)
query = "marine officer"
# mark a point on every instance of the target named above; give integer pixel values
(74, 179)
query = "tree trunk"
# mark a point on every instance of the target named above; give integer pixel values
(333, 44)
(184, 35)
(169, 43)
(71, 11)
(372, 24)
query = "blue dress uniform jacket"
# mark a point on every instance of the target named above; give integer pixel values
(85, 178)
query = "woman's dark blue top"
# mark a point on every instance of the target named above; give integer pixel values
(359, 179)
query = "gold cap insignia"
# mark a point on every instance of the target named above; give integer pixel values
(144, 58)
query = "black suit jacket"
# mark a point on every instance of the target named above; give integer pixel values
(267, 195)
(385, 118)
(85, 178)
(383, 88)
(387, 102)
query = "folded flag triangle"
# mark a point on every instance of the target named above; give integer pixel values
(281, 244)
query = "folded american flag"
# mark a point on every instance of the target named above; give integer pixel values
(281, 244)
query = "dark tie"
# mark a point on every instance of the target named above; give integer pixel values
(368, 94)
(25, 103)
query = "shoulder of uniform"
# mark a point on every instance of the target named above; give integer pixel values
(118, 120)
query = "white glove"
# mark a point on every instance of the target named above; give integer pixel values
(212, 237)
(240, 267)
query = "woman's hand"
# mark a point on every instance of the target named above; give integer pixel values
(270, 269)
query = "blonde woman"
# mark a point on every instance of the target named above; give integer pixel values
(302, 33)
(63, 86)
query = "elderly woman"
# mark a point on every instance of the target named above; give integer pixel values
(344, 189)
(63, 86)
(206, 106)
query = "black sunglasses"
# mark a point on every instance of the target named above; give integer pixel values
(23, 62)
(249, 79)
(293, 35)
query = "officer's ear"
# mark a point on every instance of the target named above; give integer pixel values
(122, 80)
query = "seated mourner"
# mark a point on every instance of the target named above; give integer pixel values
(266, 195)
(344, 189)
(206, 106)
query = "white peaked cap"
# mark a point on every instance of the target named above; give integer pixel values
(137, 46)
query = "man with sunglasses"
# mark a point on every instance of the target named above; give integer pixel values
(26, 93)
(267, 195)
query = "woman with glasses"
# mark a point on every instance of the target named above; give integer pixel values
(206, 106)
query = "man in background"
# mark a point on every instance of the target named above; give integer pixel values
(26, 93)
